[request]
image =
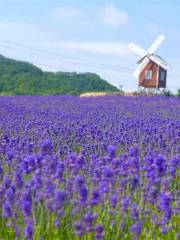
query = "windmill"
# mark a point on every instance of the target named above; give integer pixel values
(152, 70)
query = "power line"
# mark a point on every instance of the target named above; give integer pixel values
(56, 56)
(109, 67)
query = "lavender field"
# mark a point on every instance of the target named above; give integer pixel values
(89, 168)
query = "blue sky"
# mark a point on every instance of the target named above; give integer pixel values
(91, 35)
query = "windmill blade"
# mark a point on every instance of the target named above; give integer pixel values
(159, 61)
(156, 44)
(141, 67)
(135, 48)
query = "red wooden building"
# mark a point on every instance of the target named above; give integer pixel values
(152, 69)
(153, 75)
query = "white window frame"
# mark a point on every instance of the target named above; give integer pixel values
(162, 76)
(148, 74)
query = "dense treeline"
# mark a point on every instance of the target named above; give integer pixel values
(22, 78)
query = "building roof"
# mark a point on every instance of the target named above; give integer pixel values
(161, 61)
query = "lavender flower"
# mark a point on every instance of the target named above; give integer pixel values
(29, 230)
(7, 209)
(47, 147)
(79, 228)
(27, 207)
(99, 229)
(88, 166)
(125, 203)
(136, 228)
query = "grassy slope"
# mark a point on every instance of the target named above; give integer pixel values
(22, 78)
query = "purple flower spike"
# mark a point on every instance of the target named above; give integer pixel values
(27, 207)
(7, 211)
(99, 229)
(136, 228)
(111, 151)
(125, 203)
(79, 228)
(29, 230)
(47, 147)
(60, 197)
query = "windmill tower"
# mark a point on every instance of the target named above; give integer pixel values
(152, 70)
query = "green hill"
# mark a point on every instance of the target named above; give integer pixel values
(22, 78)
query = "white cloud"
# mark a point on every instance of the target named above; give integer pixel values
(67, 13)
(113, 16)
(20, 32)
(103, 48)
(107, 14)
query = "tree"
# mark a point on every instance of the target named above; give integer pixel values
(168, 93)
(121, 88)
(178, 92)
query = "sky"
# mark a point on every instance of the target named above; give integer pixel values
(91, 35)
